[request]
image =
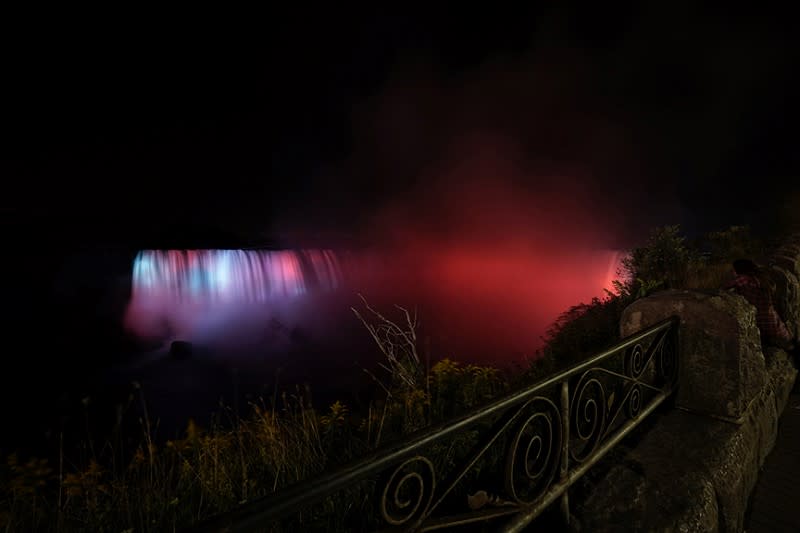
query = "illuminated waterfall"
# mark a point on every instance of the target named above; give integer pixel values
(232, 275)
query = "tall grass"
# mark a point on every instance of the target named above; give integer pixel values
(236, 459)
(161, 488)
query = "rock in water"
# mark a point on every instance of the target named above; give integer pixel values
(180, 349)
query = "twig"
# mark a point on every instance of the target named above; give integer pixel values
(379, 382)
(397, 344)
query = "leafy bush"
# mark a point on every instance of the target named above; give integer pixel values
(661, 263)
(578, 333)
(667, 260)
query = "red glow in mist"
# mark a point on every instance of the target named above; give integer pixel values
(492, 254)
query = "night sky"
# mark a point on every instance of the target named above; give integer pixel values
(172, 131)
(548, 130)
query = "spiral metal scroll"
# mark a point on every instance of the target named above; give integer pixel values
(634, 404)
(588, 409)
(635, 361)
(534, 451)
(408, 492)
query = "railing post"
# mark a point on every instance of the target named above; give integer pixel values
(565, 447)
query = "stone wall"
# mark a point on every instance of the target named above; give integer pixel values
(695, 470)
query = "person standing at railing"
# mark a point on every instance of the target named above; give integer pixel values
(746, 283)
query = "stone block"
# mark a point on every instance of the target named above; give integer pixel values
(790, 249)
(788, 262)
(781, 375)
(689, 473)
(721, 365)
(786, 297)
(180, 350)
(631, 498)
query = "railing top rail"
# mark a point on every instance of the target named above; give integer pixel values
(305, 492)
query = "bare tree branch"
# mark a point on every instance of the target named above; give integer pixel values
(397, 343)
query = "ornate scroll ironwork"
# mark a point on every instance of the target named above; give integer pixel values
(537, 442)
(534, 453)
(408, 492)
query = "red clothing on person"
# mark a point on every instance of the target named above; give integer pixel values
(767, 319)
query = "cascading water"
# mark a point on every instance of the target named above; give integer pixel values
(233, 275)
(187, 292)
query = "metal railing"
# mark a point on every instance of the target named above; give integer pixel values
(537, 441)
